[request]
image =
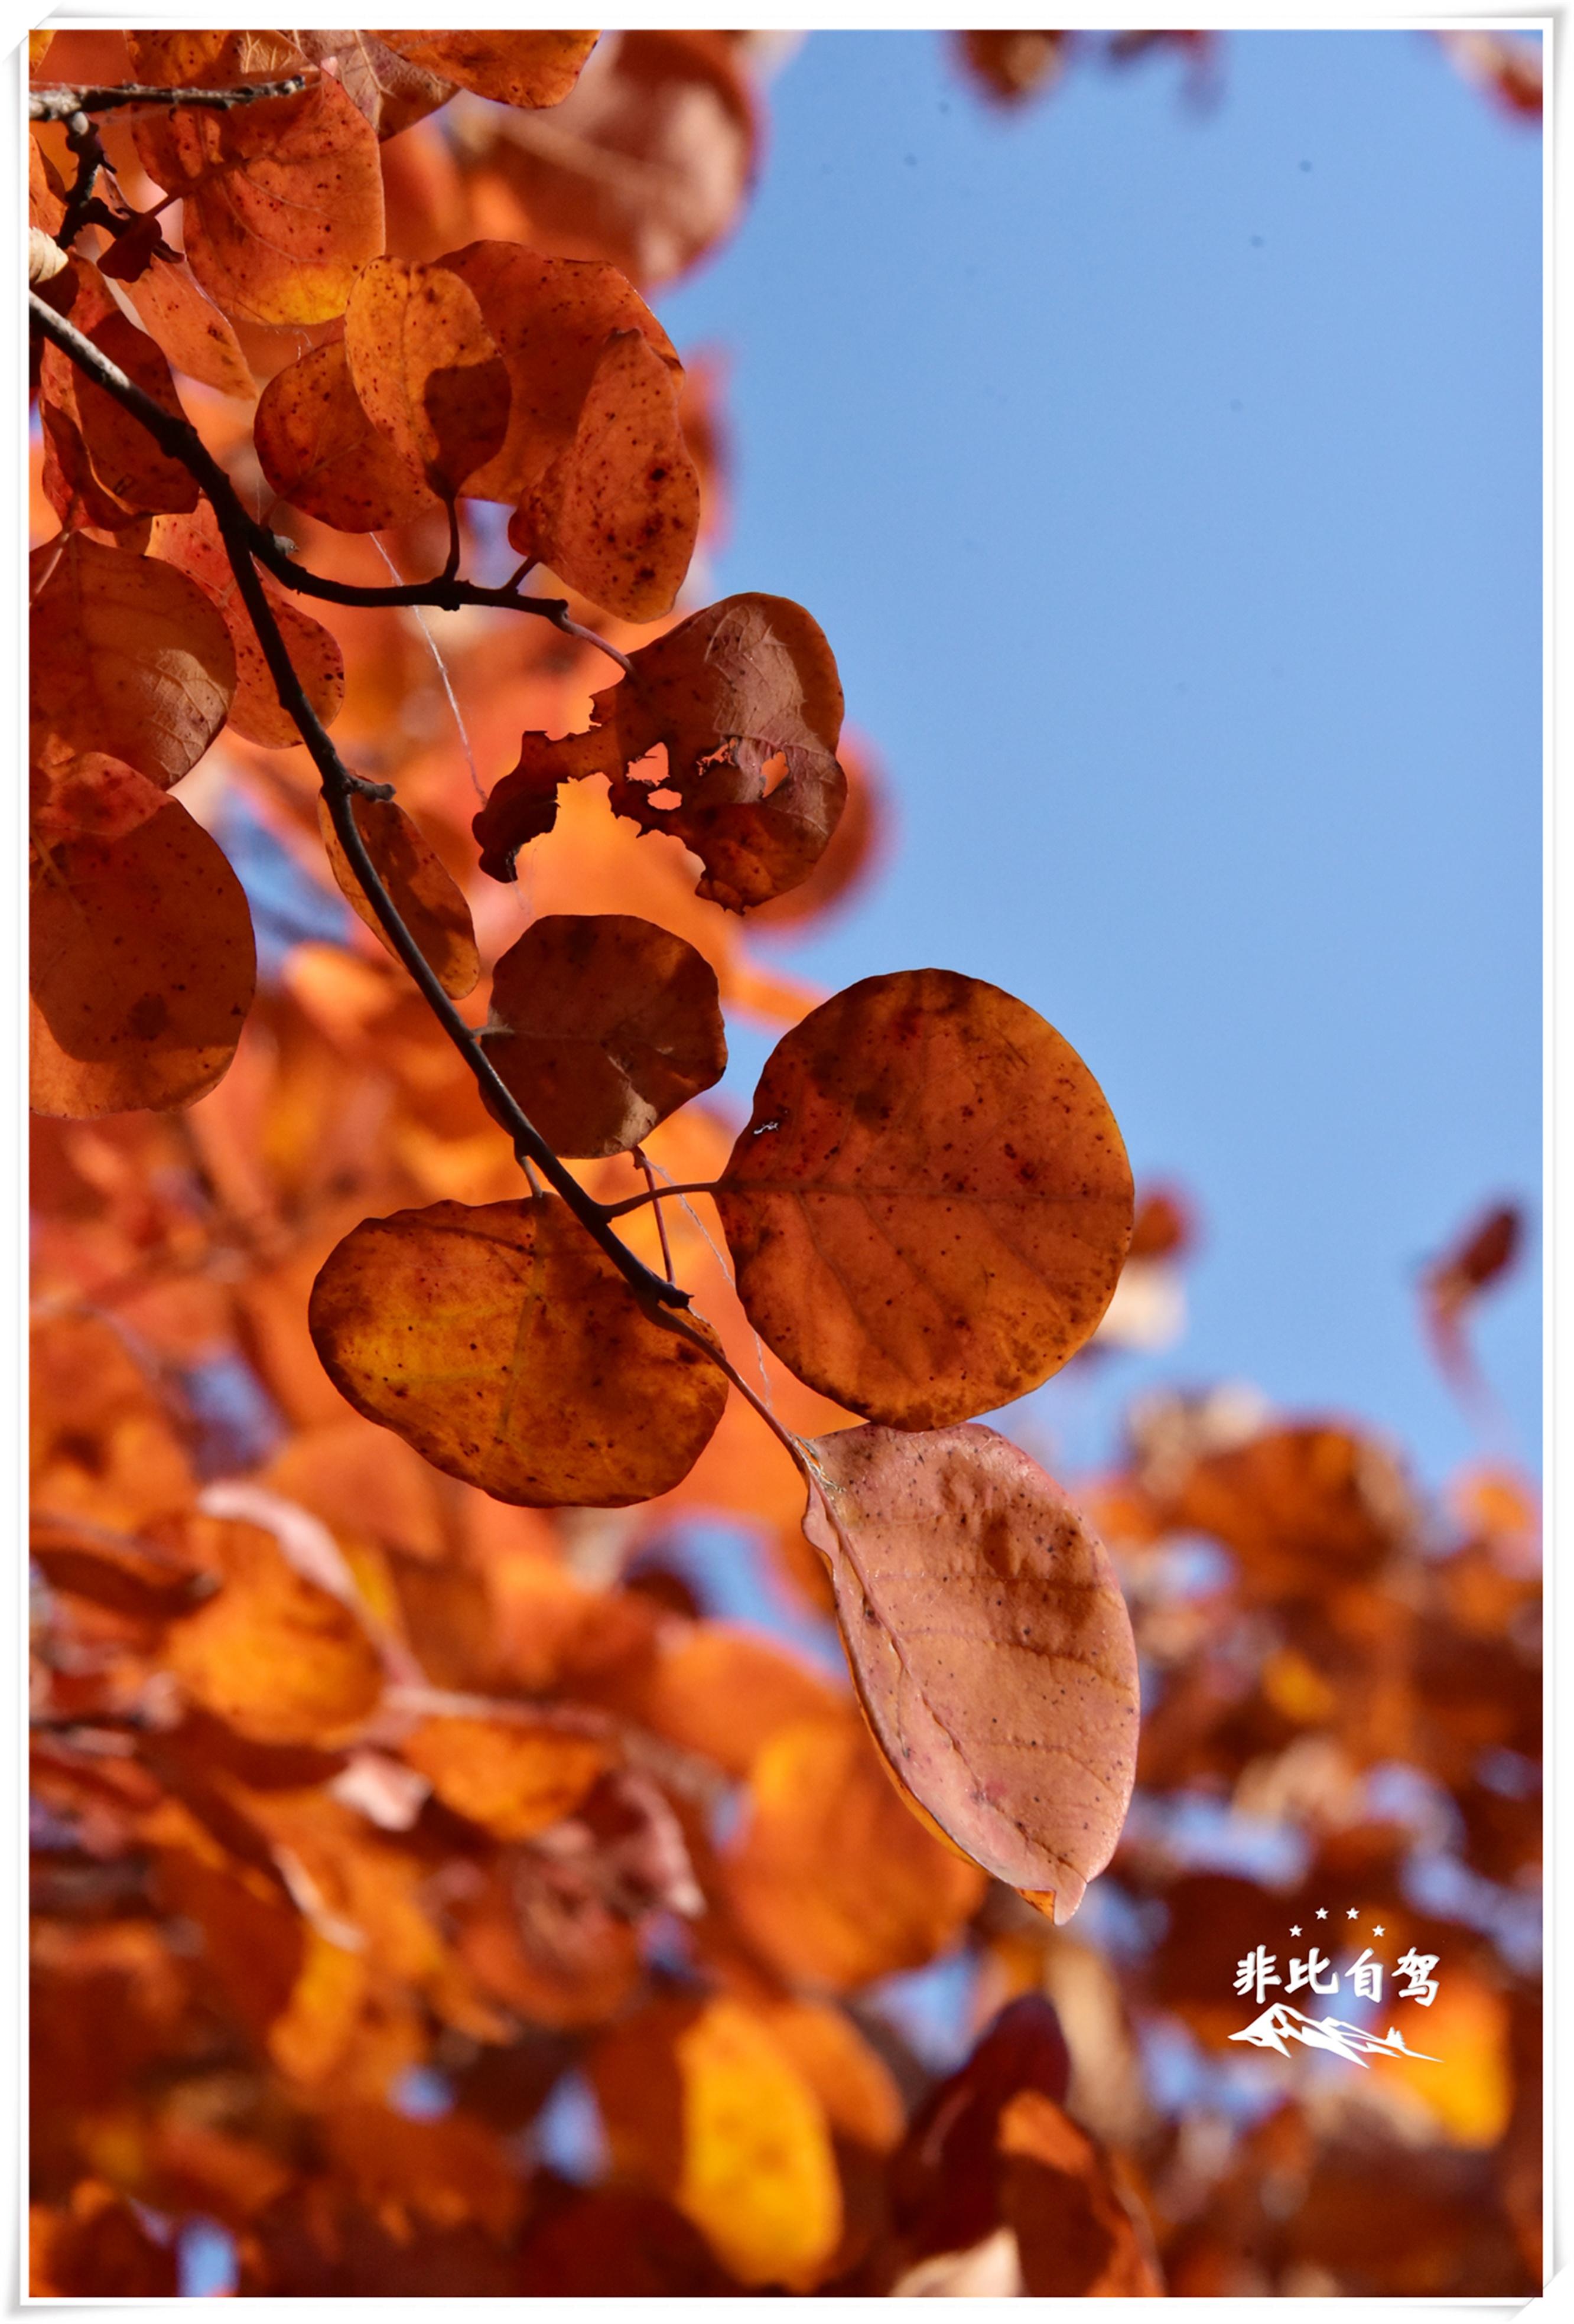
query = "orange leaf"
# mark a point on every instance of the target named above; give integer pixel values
(277, 1657)
(393, 93)
(195, 545)
(553, 318)
(196, 337)
(319, 451)
(526, 68)
(833, 1881)
(702, 2103)
(284, 199)
(735, 694)
(513, 1778)
(104, 1444)
(929, 1208)
(128, 658)
(427, 370)
(945, 2184)
(507, 1349)
(990, 1644)
(602, 1025)
(428, 901)
(724, 1693)
(125, 460)
(143, 960)
(1076, 2237)
(617, 514)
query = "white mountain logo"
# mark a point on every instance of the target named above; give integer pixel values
(1279, 2024)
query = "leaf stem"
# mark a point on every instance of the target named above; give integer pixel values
(656, 1192)
(340, 788)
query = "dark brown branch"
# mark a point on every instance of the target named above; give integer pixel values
(340, 786)
(83, 140)
(59, 104)
(656, 1194)
(177, 436)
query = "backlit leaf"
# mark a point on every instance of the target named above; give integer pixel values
(526, 68)
(703, 2105)
(835, 1882)
(197, 338)
(946, 2180)
(742, 692)
(128, 658)
(195, 546)
(279, 1658)
(143, 960)
(319, 451)
(617, 514)
(990, 1644)
(507, 1349)
(428, 900)
(929, 1208)
(391, 92)
(284, 199)
(126, 460)
(1076, 2237)
(602, 1025)
(426, 369)
(513, 1778)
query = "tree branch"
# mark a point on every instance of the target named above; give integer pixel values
(178, 438)
(58, 103)
(340, 786)
(655, 1194)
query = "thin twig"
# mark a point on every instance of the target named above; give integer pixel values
(656, 1197)
(340, 788)
(84, 142)
(177, 436)
(58, 103)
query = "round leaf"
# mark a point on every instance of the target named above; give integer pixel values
(930, 1205)
(504, 1344)
(602, 1025)
(429, 900)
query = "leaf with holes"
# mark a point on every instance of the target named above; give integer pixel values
(601, 1025)
(737, 695)
(505, 1345)
(930, 1206)
(990, 1644)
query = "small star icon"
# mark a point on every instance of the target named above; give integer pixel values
(1295, 1931)
(1377, 1930)
(1352, 1914)
(1321, 1913)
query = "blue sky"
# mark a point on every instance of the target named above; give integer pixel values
(1168, 483)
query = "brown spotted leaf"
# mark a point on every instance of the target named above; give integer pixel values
(143, 961)
(391, 92)
(284, 199)
(197, 338)
(426, 369)
(504, 1344)
(194, 545)
(930, 1206)
(745, 700)
(617, 514)
(429, 900)
(524, 69)
(126, 460)
(990, 1644)
(128, 657)
(601, 1025)
(322, 453)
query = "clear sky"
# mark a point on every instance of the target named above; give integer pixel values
(1168, 483)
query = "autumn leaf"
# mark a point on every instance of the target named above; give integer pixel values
(391, 91)
(737, 695)
(990, 1644)
(1011, 67)
(194, 546)
(104, 1444)
(1076, 2237)
(526, 68)
(703, 2104)
(428, 900)
(1479, 1257)
(320, 452)
(426, 370)
(126, 460)
(602, 1025)
(504, 1344)
(835, 1883)
(129, 659)
(929, 1209)
(946, 2180)
(284, 199)
(512, 1776)
(279, 1658)
(194, 333)
(143, 960)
